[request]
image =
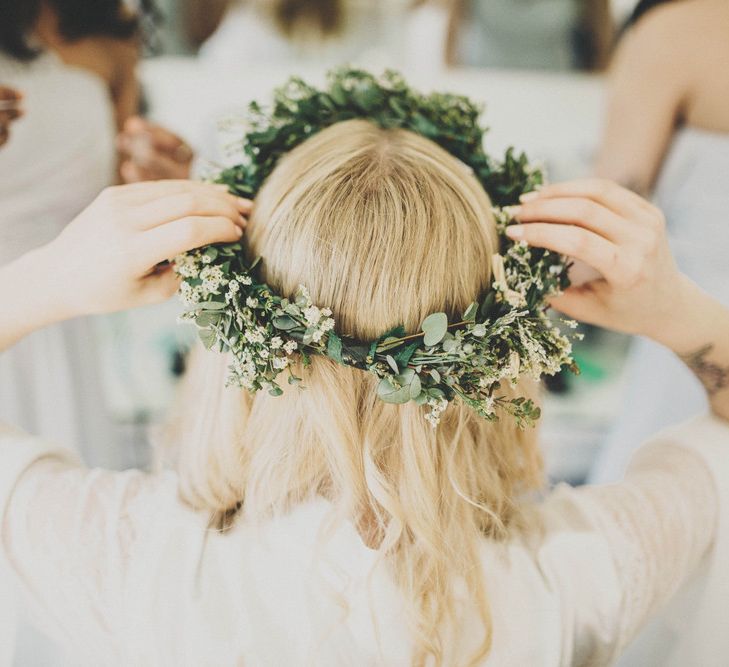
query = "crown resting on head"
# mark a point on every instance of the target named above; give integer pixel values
(503, 334)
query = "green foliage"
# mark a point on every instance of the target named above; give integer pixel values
(502, 335)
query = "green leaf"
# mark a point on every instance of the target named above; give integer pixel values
(275, 390)
(285, 323)
(434, 327)
(208, 338)
(334, 347)
(205, 319)
(393, 364)
(404, 356)
(470, 313)
(409, 389)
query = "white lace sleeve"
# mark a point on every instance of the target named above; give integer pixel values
(68, 541)
(662, 520)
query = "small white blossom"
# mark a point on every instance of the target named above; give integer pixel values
(245, 280)
(317, 335)
(312, 315)
(251, 302)
(437, 407)
(290, 346)
(326, 325)
(263, 353)
(276, 342)
(254, 335)
(279, 363)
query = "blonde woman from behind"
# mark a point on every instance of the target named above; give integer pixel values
(323, 527)
(366, 218)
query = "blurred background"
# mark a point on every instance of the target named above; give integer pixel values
(181, 76)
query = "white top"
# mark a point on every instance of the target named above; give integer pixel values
(119, 568)
(60, 154)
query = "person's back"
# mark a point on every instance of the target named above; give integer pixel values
(347, 530)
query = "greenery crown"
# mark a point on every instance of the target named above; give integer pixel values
(504, 333)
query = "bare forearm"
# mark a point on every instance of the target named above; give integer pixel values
(699, 335)
(29, 298)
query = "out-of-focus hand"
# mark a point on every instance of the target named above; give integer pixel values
(111, 256)
(623, 238)
(151, 153)
(10, 110)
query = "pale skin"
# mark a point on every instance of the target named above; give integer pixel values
(107, 260)
(111, 257)
(671, 69)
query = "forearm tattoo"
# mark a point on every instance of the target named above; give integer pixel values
(713, 376)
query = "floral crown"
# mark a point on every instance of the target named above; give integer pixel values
(504, 333)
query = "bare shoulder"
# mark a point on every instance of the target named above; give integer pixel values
(676, 27)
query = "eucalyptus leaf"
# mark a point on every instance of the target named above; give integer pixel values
(393, 364)
(285, 323)
(205, 319)
(409, 387)
(471, 312)
(434, 327)
(208, 338)
(334, 347)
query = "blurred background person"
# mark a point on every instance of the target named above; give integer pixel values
(264, 34)
(667, 134)
(322, 32)
(529, 34)
(74, 63)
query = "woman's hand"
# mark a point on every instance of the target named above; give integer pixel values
(10, 110)
(640, 290)
(150, 152)
(619, 235)
(111, 257)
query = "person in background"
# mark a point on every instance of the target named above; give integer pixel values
(315, 32)
(74, 62)
(530, 34)
(667, 135)
(10, 110)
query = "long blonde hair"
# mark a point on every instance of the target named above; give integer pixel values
(383, 227)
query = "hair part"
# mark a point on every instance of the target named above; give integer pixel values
(383, 227)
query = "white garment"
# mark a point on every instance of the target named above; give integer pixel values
(59, 157)
(372, 32)
(119, 568)
(693, 192)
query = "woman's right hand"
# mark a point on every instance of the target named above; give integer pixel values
(10, 110)
(112, 256)
(622, 237)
